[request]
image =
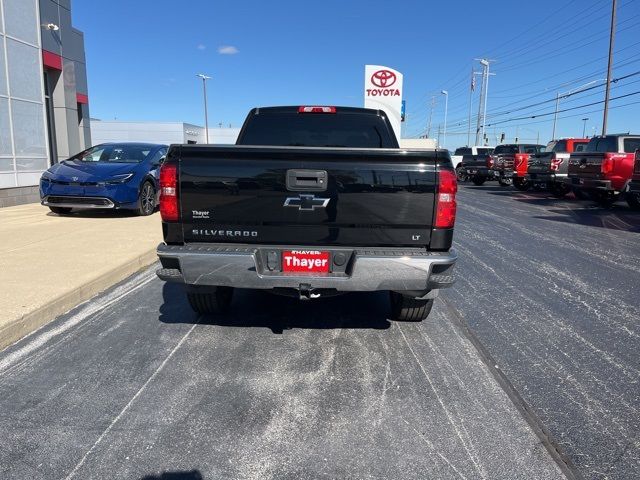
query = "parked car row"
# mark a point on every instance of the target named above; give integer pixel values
(605, 168)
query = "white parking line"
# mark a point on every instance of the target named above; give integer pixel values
(91, 307)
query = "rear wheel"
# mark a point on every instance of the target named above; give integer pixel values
(146, 199)
(408, 309)
(478, 180)
(559, 190)
(60, 210)
(505, 182)
(522, 184)
(461, 174)
(633, 199)
(579, 194)
(604, 199)
(212, 300)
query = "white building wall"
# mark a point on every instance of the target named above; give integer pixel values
(152, 132)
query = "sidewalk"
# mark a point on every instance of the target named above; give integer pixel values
(49, 264)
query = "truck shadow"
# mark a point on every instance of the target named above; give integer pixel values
(614, 218)
(177, 475)
(251, 308)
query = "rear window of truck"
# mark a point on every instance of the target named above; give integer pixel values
(505, 149)
(317, 130)
(631, 144)
(602, 145)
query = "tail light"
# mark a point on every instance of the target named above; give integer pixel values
(520, 162)
(607, 163)
(316, 109)
(636, 162)
(490, 161)
(446, 199)
(555, 163)
(169, 210)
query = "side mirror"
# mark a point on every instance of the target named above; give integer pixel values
(159, 162)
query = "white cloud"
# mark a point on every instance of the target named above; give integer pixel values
(201, 47)
(227, 50)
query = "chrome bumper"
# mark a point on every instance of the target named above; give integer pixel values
(369, 269)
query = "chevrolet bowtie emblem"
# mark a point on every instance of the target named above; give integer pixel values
(306, 202)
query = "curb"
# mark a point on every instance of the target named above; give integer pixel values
(32, 321)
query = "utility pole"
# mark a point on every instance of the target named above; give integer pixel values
(471, 90)
(612, 35)
(482, 106)
(433, 104)
(204, 90)
(438, 141)
(446, 107)
(584, 125)
(555, 116)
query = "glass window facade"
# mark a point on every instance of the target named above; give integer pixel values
(23, 140)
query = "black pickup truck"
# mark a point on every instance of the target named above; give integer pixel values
(311, 201)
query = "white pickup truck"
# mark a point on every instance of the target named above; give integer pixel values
(469, 152)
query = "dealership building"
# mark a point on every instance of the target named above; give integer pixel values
(158, 132)
(44, 101)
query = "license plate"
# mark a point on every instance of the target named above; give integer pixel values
(309, 261)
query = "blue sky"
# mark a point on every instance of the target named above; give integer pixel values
(142, 57)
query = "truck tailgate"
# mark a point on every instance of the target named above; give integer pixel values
(307, 196)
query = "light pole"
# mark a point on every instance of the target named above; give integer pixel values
(204, 90)
(584, 126)
(612, 34)
(565, 95)
(446, 107)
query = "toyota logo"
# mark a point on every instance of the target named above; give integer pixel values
(383, 78)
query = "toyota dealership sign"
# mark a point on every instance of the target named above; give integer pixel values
(383, 91)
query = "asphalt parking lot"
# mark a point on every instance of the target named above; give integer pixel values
(134, 385)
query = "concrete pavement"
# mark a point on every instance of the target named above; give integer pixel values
(135, 385)
(50, 263)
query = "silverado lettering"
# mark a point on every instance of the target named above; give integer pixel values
(225, 233)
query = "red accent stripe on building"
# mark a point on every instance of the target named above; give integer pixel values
(82, 98)
(51, 60)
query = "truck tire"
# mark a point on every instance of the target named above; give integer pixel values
(633, 200)
(559, 190)
(407, 309)
(461, 174)
(521, 184)
(478, 180)
(217, 300)
(60, 210)
(505, 182)
(579, 194)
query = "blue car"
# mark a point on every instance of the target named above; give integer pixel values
(109, 175)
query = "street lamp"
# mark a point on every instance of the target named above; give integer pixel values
(446, 107)
(564, 95)
(584, 126)
(204, 90)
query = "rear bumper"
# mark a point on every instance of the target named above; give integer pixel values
(368, 269)
(478, 171)
(591, 184)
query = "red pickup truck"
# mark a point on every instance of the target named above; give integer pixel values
(633, 194)
(605, 168)
(509, 163)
